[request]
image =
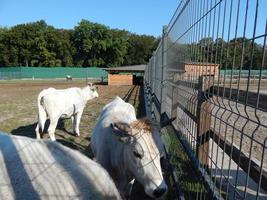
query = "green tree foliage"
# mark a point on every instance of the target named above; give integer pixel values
(58, 42)
(97, 45)
(140, 48)
(89, 44)
(27, 45)
(4, 53)
(93, 44)
(238, 53)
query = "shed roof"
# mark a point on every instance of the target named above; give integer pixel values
(200, 63)
(132, 68)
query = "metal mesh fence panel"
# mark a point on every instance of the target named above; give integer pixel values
(215, 84)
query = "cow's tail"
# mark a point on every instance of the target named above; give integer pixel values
(41, 117)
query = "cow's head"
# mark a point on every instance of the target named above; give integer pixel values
(141, 154)
(93, 91)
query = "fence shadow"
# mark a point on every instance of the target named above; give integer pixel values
(227, 184)
(141, 110)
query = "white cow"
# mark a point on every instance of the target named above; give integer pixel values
(125, 147)
(53, 104)
(42, 169)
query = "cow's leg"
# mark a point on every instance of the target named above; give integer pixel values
(37, 131)
(77, 124)
(40, 124)
(73, 120)
(52, 128)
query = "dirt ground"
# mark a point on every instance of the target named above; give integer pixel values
(18, 111)
(18, 107)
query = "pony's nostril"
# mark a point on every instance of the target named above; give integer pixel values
(159, 192)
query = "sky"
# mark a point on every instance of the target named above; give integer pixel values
(137, 16)
(232, 22)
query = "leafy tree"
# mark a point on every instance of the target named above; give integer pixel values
(89, 44)
(58, 42)
(235, 54)
(140, 49)
(97, 45)
(4, 53)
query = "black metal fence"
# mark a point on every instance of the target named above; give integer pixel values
(221, 117)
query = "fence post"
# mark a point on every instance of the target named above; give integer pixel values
(174, 102)
(203, 119)
(153, 75)
(163, 70)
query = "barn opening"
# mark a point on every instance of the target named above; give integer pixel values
(126, 75)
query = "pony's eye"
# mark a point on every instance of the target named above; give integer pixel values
(138, 155)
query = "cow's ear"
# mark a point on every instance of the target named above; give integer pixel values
(121, 131)
(93, 88)
(167, 122)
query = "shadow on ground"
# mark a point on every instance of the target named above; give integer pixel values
(101, 83)
(29, 130)
(86, 150)
(67, 138)
(141, 109)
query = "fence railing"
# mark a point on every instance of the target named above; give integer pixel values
(221, 115)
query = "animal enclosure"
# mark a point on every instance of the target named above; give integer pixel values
(19, 109)
(19, 112)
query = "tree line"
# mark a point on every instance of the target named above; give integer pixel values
(92, 44)
(237, 53)
(88, 44)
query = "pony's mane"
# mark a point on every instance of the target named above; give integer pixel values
(145, 124)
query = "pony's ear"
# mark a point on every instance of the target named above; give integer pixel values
(121, 131)
(90, 84)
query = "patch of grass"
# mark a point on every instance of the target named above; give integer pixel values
(188, 178)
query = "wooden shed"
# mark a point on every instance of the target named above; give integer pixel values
(197, 68)
(193, 70)
(126, 75)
